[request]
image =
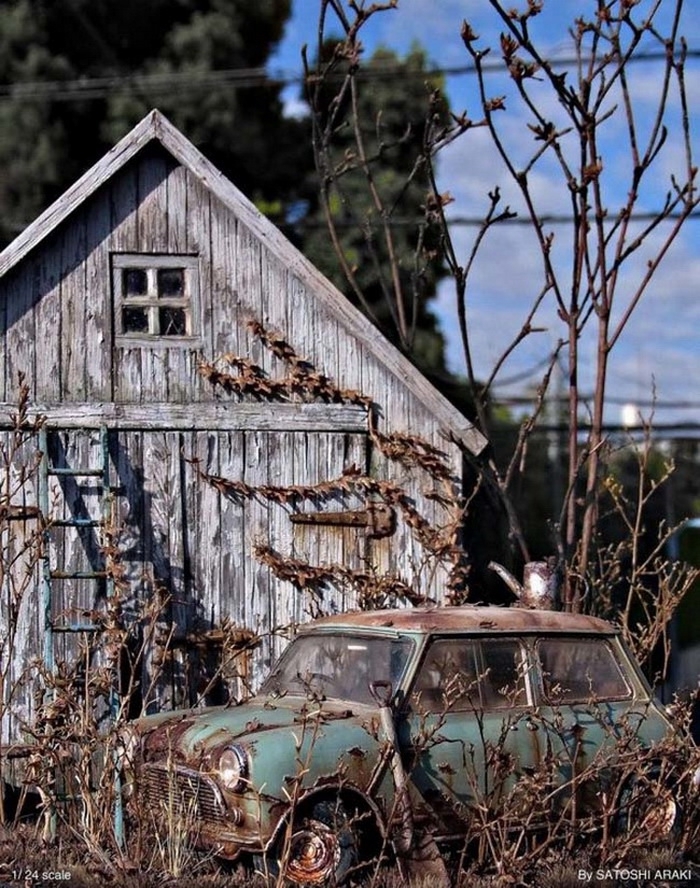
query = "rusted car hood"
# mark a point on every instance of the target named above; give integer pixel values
(192, 734)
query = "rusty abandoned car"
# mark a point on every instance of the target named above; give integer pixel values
(378, 729)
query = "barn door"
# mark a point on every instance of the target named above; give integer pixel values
(243, 537)
(155, 514)
(207, 553)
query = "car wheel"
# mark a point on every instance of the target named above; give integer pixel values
(323, 847)
(649, 810)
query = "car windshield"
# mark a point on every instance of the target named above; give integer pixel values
(338, 666)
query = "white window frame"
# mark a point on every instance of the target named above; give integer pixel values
(151, 264)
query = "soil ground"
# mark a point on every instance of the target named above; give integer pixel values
(25, 862)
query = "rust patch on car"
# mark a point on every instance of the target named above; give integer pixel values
(356, 752)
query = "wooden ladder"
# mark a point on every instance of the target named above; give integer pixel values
(53, 574)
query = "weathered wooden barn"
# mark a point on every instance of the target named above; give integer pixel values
(225, 435)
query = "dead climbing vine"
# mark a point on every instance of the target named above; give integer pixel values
(441, 542)
(373, 590)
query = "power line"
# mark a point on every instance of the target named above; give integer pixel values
(478, 221)
(90, 88)
(612, 428)
(525, 400)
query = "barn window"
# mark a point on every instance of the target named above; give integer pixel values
(155, 297)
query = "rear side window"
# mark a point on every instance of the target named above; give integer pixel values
(578, 670)
(461, 675)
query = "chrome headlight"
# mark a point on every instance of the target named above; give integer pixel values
(233, 768)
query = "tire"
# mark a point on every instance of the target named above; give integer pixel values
(323, 847)
(648, 810)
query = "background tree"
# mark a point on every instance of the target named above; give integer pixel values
(595, 280)
(594, 277)
(369, 131)
(75, 75)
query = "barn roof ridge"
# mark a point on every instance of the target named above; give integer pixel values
(155, 126)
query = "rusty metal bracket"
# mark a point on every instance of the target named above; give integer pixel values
(378, 518)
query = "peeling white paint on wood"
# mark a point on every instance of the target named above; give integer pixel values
(155, 194)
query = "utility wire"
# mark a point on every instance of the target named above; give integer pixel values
(85, 88)
(524, 400)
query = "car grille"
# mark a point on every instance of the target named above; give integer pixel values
(192, 795)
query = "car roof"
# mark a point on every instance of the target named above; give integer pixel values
(466, 618)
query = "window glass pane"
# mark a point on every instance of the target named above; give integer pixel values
(448, 678)
(134, 320)
(154, 298)
(171, 282)
(579, 670)
(502, 678)
(172, 321)
(134, 282)
(338, 666)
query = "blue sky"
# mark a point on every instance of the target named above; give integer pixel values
(660, 350)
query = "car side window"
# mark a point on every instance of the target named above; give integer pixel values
(581, 669)
(502, 675)
(467, 674)
(448, 677)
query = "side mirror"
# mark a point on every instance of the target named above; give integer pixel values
(382, 692)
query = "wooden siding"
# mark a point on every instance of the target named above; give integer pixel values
(175, 532)
(179, 535)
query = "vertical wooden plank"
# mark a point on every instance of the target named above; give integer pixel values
(154, 374)
(249, 288)
(346, 360)
(256, 611)
(284, 607)
(48, 323)
(161, 479)
(124, 219)
(206, 535)
(73, 310)
(181, 381)
(177, 209)
(4, 300)
(225, 307)
(127, 375)
(310, 340)
(151, 472)
(307, 545)
(235, 559)
(199, 242)
(135, 549)
(21, 332)
(274, 296)
(97, 333)
(153, 168)
(19, 552)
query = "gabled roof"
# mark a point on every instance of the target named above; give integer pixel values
(156, 127)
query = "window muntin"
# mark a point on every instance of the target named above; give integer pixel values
(579, 670)
(461, 675)
(155, 296)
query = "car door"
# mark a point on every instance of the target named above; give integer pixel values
(589, 702)
(468, 733)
